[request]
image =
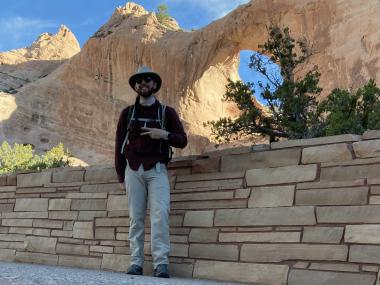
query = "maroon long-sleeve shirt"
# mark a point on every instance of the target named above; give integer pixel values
(142, 149)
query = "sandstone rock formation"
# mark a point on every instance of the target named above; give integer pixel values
(22, 66)
(80, 101)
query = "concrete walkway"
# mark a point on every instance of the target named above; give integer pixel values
(32, 274)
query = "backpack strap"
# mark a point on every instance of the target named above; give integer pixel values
(130, 118)
(163, 126)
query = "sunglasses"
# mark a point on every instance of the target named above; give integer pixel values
(141, 79)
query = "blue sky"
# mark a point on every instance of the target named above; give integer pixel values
(22, 21)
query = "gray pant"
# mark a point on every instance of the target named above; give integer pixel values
(151, 187)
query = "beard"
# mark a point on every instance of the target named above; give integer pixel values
(145, 91)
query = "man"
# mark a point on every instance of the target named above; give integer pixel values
(145, 132)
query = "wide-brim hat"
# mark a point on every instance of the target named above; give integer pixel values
(145, 71)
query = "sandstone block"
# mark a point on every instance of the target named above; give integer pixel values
(33, 179)
(122, 236)
(355, 162)
(279, 175)
(179, 249)
(91, 215)
(270, 274)
(12, 179)
(349, 214)
(39, 258)
(211, 164)
(72, 249)
(68, 225)
(7, 255)
(63, 215)
(260, 237)
(203, 235)
(7, 195)
(283, 252)
(24, 231)
(112, 222)
(214, 251)
(210, 176)
(335, 267)
(264, 159)
(330, 184)
(82, 262)
(275, 196)
(213, 204)
(322, 234)
(316, 141)
(116, 262)
(364, 254)
(37, 190)
(68, 176)
(199, 219)
(57, 233)
(7, 188)
(374, 200)
(370, 268)
(89, 205)
(371, 134)
(59, 204)
(349, 172)
(6, 208)
(333, 196)
(219, 195)
(40, 244)
(362, 234)
(102, 188)
(101, 175)
(303, 215)
(12, 237)
(31, 205)
(3, 180)
(17, 222)
(206, 185)
(175, 220)
(242, 193)
(117, 203)
(41, 232)
(311, 277)
(41, 223)
(178, 239)
(105, 233)
(101, 249)
(86, 195)
(235, 150)
(364, 149)
(83, 230)
(326, 153)
(181, 270)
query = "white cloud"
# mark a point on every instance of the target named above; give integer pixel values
(17, 32)
(214, 8)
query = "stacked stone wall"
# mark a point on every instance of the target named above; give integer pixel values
(300, 212)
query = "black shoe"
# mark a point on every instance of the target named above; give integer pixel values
(135, 270)
(161, 271)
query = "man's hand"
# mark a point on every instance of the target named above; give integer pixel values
(155, 133)
(122, 186)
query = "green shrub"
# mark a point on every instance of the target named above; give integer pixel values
(22, 157)
(163, 14)
(349, 112)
